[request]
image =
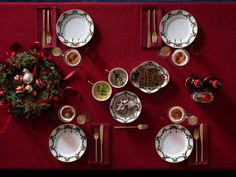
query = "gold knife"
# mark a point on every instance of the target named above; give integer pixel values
(149, 32)
(201, 139)
(43, 33)
(101, 141)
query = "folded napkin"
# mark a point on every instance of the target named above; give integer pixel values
(52, 23)
(144, 26)
(106, 145)
(191, 158)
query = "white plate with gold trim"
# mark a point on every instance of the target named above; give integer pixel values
(178, 28)
(67, 143)
(174, 143)
(74, 28)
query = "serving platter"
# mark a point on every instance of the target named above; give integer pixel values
(149, 77)
(125, 107)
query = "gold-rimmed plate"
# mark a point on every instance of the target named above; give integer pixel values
(178, 28)
(174, 143)
(75, 28)
(67, 143)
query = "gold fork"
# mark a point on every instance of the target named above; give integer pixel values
(48, 34)
(96, 136)
(154, 33)
(196, 137)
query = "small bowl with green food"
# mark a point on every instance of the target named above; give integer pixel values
(101, 90)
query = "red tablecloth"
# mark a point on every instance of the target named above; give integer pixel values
(117, 43)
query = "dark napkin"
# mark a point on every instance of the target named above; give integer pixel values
(191, 159)
(106, 145)
(144, 26)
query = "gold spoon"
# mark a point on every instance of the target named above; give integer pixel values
(196, 137)
(96, 136)
(139, 126)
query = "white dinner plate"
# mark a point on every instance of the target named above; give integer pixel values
(67, 143)
(125, 107)
(74, 28)
(174, 143)
(178, 28)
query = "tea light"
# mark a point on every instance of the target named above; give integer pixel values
(56, 51)
(192, 120)
(66, 113)
(164, 52)
(81, 119)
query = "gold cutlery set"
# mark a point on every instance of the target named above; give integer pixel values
(98, 135)
(151, 37)
(46, 32)
(198, 133)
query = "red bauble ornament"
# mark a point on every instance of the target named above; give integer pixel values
(18, 79)
(20, 89)
(33, 93)
(40, 83)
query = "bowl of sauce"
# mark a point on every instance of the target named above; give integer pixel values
(176, 114)
(66, 113)
(72, 57)
(180, 57)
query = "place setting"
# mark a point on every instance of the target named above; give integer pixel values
(74, 28)
(184, 139)
(178, 30)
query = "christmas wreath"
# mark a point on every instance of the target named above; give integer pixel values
(29, 83)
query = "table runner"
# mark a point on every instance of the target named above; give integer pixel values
(116, 42)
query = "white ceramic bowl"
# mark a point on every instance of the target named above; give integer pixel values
(101, 91)
(180, 57)
(118, 77)
(66, 113)
(72, 57)
(176, 114)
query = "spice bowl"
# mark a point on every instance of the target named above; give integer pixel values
(72, 57)
(118, 77)
(66, 113)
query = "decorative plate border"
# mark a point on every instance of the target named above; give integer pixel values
(59, 27)
(188, 16)
(131, 118)
(53, 137)
(150, 64)
(174, 128)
